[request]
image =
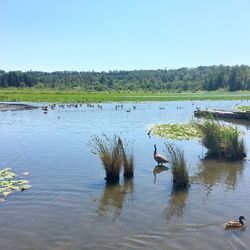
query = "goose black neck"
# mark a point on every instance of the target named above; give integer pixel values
(241, 221)
(155, 150)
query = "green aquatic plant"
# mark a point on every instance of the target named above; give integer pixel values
(175, 131)
(110, 154)
(222, 141)
(127, 159)
(178, 167)
(8, 184)
(243, 108)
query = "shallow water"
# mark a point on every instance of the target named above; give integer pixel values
(70, 207)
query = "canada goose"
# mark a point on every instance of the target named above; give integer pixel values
(45, 108)
(232, 224)
(149, 133)
(159, 158)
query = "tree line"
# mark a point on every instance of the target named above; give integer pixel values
(183, 79)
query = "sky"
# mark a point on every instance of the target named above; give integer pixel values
(104, 35)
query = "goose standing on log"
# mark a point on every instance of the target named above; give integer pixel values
(159, 158)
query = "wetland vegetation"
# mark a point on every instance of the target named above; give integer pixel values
(8, 183)
(114, 154)
(243, 108)
(68, 183)
(175, 131)
(80, 96)
(178, 167)
(222, 141)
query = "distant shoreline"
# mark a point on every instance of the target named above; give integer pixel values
(15, 107)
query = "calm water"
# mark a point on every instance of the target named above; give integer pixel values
(70, 207)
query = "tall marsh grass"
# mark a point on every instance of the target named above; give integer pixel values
(109, 151)
(127, 159)
(178, 167)
(114, 154)
(222, 141)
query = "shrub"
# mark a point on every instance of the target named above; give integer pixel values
(222, 141)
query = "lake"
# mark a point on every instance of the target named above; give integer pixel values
(70, 206)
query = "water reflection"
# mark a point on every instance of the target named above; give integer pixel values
(158, 169)
(113, 198)
(244, 123)
(212, 173)
(177, 203)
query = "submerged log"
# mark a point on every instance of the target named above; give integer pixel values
(240, 115)
(15, 107)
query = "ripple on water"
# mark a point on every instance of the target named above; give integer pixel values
(70, 207)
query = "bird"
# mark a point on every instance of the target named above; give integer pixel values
(159, 158)
(232, 224)
(45, 108)
(149, 133)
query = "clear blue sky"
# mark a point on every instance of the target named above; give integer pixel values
(105, 35)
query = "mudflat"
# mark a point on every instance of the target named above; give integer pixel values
(15, 107)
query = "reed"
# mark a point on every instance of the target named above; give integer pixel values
(127, 159)
(110, 154)
(178, 167)
(222, 141)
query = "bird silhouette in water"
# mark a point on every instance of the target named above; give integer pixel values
(159, 158)
(149, 133)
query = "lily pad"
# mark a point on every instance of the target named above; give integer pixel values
(6, 173)
(8, 184)
(175, 131)
(243, 108)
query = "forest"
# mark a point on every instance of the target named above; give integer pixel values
(229, 78)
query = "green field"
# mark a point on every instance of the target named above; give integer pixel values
(36, 95)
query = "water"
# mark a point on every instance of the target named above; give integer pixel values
(70, 207)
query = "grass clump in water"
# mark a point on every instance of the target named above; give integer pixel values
(109, 151)
(178, 167)
(222, 141)
(127, 159)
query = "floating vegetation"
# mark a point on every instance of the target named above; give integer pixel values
(243, 108)
(178, 167)
(8, 185)
(176, 131)
(222, 141)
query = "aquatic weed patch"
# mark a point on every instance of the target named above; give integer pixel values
(175, 131)
(243, 108)
(9, 185)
